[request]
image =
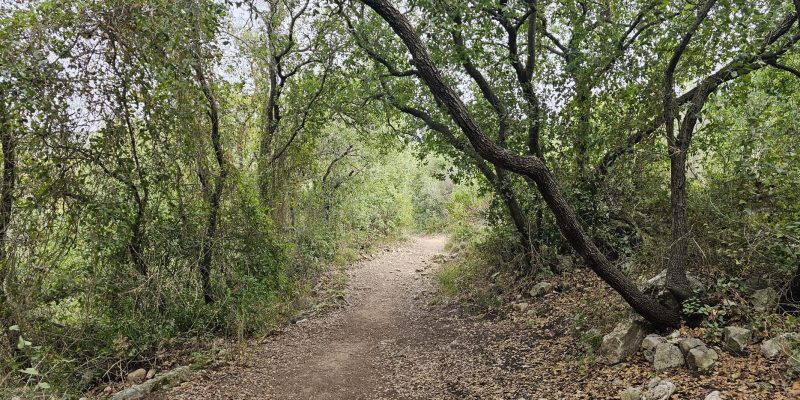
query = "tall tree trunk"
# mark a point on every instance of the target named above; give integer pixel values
(583, 131)
(136, 243)
(530, 166)
(271, 121)
(677, 282)
(678, 145)
(9, 182)
(7, 191)
(216, 195)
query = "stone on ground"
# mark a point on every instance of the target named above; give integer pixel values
(764, 300)
(649, 344)
(689, 343)
(736, 338)
(659, 390)
(667, 356)
(164, 380)
(521, 307)
(540, 289)
(715, 395)
(701, 358)
(137, 376)
(623, 341)
(630, 393)
(779, 345)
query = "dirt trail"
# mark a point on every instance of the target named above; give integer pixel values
(390, 341)
(343, 354)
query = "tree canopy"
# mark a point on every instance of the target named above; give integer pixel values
(181, 168)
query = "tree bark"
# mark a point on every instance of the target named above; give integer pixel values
(530, 166)
(498, 179)
(8, 142)
(272, 119)
(136, 241)
(206, 253)
(9, 182)
(678, 145)
(677, 282)
(583, 130)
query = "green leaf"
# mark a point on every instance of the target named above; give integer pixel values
(22, 343)
(14, 328)
(43, 385)
(30, 371)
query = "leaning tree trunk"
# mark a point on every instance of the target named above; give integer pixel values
(497, 179)
(529, 166)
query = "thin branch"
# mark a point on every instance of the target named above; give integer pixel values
(783, 67)
(334, 161)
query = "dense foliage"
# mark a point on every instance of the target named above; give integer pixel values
(178, 169)
(141, 211)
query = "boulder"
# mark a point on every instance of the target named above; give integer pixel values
(659, 390)
(630, 393)
(736, 338)
(779, 345)
(649, 344)
(656, 287)
(150, 373)
(541, 289)
(667, 356)
(701, 358)
(764, 300)
(623, 341)
(137, 376)
(715, 395)
(689, 343)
